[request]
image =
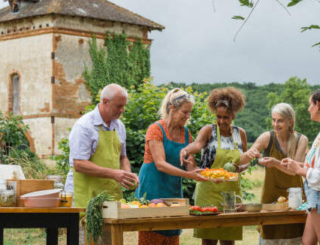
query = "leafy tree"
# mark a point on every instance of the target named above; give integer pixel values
(253, 4)
(12, 135)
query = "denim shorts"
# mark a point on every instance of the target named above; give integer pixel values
(313, 197)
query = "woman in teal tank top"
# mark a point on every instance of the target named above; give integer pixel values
(161, 173)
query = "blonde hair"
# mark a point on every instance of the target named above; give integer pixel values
(288, 113)
(175, 97)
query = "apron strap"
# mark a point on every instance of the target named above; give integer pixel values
(219, 139)
(163, 132)
(186, 133)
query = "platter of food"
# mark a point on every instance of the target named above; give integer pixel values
(219, 174)
(203, 211)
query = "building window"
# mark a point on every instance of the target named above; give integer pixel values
(16, 94)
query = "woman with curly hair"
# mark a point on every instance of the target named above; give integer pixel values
(220, 143)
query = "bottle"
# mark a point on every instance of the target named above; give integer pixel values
(295, 197)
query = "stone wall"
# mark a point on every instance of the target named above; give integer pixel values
(50, 54)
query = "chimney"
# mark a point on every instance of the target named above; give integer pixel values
(16, 5)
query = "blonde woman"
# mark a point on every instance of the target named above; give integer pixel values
(278, 144)
(161, 173)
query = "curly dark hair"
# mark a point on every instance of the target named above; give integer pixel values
(231, 98)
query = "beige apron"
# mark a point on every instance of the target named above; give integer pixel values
(106, 155)
(275, 185)
(209, 193)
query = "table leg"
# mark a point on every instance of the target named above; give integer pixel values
(1, 235)
(52, 236)
(116, 235)
(73, 232)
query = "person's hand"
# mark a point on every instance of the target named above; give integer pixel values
(126, 179)
(290, 165)
(239, 169)
(266, 161)
(183, 154)
(190, 160)
(252, 153)
(194, 174)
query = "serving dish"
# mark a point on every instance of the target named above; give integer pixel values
(42, 199)
(41, 202)
(44, 193)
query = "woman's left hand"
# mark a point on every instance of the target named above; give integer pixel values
(290, 164)
(267, 162)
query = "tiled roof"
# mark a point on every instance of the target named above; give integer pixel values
(96, 9)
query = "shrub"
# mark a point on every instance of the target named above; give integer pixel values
(12, 131)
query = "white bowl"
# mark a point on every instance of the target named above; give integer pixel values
(45, 193)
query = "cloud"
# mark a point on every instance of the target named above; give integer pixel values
(197, 44)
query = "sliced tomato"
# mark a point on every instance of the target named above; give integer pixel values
(215, 209)
(195, 208)
(204, 209)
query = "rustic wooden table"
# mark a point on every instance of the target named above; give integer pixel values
(49, 218)
(116, 227)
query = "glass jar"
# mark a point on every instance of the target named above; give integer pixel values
(57, 181)
(295, 197)
(7, 198)
(66, 199)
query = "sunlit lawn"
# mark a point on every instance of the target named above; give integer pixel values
(38, 236)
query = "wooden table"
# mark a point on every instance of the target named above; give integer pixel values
(116, 227)
(49, 218)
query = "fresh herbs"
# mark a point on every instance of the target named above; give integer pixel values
(141, 200)
(94, 215)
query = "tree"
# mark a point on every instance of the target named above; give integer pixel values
(12, 135)
(253, 4)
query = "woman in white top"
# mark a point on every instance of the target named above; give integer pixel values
(310, 170)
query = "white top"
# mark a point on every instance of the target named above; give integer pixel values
(312, 163)
(84, 138)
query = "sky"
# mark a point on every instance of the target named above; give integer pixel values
(197, 43)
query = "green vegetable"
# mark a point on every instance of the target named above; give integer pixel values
(133, 186)
(142, 199)
(94, 215)
(229, 167)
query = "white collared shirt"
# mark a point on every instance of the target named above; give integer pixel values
(84, 138)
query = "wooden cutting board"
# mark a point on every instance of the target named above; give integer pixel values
(275, 206)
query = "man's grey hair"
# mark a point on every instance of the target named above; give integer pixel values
(111, 90)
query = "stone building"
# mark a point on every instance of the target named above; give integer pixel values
(43, 52)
